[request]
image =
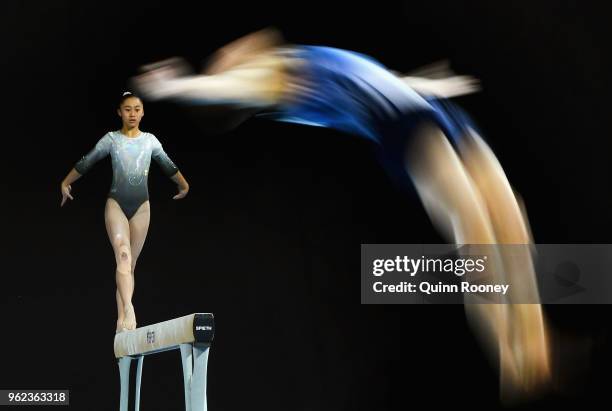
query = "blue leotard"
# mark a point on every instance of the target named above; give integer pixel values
(356, 94)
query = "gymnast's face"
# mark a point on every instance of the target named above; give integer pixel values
(131, 112)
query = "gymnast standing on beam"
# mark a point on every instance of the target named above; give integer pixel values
(127, 212)
(422, 140)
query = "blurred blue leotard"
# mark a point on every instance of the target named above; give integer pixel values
(356, 94)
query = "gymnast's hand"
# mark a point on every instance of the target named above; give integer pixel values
(65, 188)
(455, 86)
(182, 193)
(447, 87)
(183, 185)
(154, 82)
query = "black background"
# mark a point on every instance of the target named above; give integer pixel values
(269, 237)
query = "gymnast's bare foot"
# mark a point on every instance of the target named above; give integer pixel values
(526, 362)
(532, 348)
(120, 327)
(129, 322)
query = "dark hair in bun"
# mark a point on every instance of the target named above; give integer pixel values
(127, 95)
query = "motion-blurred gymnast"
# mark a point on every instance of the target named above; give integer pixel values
(421, 140)
(127, 212)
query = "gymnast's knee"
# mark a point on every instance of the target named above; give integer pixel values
(124, 260)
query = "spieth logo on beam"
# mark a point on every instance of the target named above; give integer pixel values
(203, 328)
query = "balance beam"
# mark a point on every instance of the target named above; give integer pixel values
(192, 334)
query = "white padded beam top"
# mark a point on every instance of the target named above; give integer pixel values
(167, 335)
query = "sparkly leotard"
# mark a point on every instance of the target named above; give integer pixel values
(131, 157)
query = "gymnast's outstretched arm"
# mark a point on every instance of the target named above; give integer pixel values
(100, 151)
(447, 87)
(258, 82)
(182, 184)
(169, 169)
(66, 187)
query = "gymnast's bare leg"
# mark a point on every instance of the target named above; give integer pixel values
(527, 332)
(127, 239)
(470, 199)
